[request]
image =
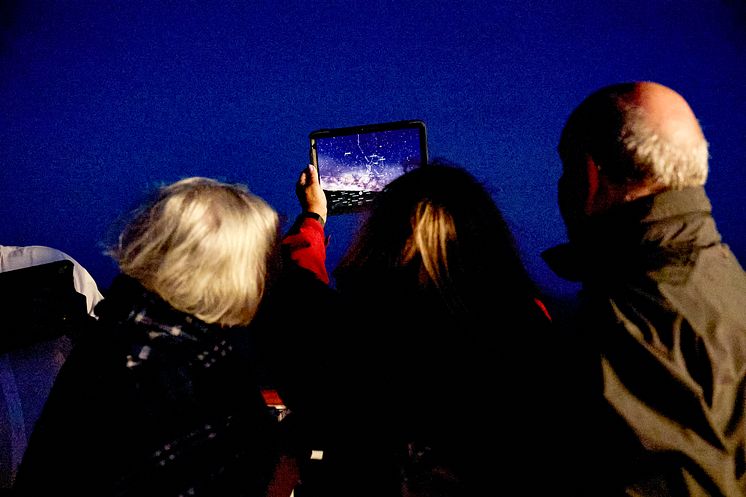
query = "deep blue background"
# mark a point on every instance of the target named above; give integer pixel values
(102, 101)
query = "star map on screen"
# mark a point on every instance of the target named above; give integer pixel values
(367, 161)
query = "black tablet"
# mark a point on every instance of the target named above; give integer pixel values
(357, 162)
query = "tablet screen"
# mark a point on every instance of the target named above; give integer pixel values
(367, 158)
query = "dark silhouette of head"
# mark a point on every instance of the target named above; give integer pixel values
(434, 229)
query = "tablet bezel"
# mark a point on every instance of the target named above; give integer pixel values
(328, 133)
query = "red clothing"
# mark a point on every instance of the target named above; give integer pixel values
(305, 245)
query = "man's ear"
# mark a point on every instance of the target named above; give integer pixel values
(592, 175)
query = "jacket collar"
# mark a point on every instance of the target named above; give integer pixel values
(129, 303)
(648, 233)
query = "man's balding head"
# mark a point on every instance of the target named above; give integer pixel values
(624, 142)
(667, 113)
(641, 132)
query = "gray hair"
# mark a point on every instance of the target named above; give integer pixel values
(616, 132)
(669, 162)
(204, 247)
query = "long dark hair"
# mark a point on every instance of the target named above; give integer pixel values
(436, 229)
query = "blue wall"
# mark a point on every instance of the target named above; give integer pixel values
(102, 101)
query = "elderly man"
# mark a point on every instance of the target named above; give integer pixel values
(661, 349)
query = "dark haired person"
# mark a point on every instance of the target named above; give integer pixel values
(662, 328)
(433, 319)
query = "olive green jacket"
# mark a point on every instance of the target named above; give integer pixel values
(660, 352)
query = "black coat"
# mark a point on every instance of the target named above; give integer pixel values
(153, 402)
(399, 390)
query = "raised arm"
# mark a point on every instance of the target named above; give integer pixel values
(305, 243)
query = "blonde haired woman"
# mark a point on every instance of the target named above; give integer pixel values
(160, 400)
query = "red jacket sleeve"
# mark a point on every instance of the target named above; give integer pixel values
(543, 308)
(305, 246)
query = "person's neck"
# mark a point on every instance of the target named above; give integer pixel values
(611, 195)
